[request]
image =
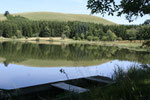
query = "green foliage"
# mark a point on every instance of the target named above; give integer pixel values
(74, 38)
(131, 34)
(90, 38)
(132, 8)
(100, 33)
(143, 32)
(6, 13)
(14, 18)
(120, 31)
(132, 84)
(119, 38)
(78, 38)
(21, 27)
(95, 38)
(67, 30)
(19, 34)
(27, 30)
(46, 32)
(82, 36)
(14, 37)
(105, 38)
(146, 44)
(7, 30)
(1, 32)
(88, 33)
(129, 84)
(112, 36)
(109, 36)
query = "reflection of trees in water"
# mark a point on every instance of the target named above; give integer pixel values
(17, 52)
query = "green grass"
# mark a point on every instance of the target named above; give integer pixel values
(52, 16)
(130, 85)
(2, 17)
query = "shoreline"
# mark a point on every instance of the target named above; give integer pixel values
(135, 45)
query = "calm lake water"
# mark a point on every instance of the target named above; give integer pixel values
(26, 64)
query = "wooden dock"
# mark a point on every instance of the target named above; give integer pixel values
(57, 86)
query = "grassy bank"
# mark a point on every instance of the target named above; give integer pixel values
(58, 39)
(130, 85)
(135, 45)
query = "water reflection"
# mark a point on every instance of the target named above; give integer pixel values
(41, 55)
(16, 76)
(26, 64)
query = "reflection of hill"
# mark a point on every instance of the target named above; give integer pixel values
(2, 59)
(57, 63)
(66, 55)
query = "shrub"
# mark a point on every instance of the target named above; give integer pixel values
(82, 36)
(146, 44)
(105, 38)
(95, 38)
(119, 38)
(89, 38)
(131, 34)
(111, 36)
(74, 38)
(78, 38)
(14, 37)
(19, 34)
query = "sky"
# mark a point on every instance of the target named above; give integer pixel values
(62, 6)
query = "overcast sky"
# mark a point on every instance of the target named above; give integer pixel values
(63, 6)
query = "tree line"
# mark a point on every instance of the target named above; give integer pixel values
(18, 27)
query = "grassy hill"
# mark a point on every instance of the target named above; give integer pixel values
(51, 16)
(2, 17)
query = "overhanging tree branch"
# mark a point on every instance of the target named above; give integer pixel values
(131, 8)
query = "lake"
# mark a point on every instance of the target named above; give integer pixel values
(27, 64)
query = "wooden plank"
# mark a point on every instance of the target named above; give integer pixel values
(99, 80)
(69, 87)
